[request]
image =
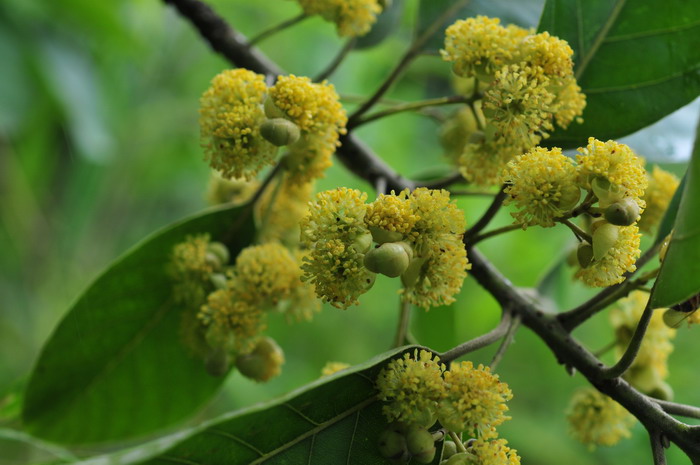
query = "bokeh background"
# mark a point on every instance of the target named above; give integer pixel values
(99, 147)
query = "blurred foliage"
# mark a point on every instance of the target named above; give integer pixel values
(99, 147)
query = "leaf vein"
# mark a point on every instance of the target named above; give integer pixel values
(235, 438)
(639, 85)
(602, 32)
(637, 35)
(352, 438)
(298, 412)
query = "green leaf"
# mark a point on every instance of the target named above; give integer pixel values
(667, 222)
(116, 367)
(523, 13)
(334, 420)
(635, 61)
(678, 278)
(19, 438)
(386, 24)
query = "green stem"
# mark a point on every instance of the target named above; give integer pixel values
(458, 442)
(410, 106)
(506, 342)
(580, 233)
(487, 217)
(482, 341)
(404, 320)
(277, 28)
(337, 61)
(495, 232)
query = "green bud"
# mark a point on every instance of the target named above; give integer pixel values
(425, 457)
(673, 318)
(272, 110)
(462, 458)
(220, 251)
(280, 131)
(382, 236)
(412, 273)
(362, 243)
(217, 362)
(263, 363)
(584, 254)
(662, 391)
(392, 445)
(606, 192)
(419, 441)
(622, 213)
(218, 280)
(448, 449)
(604, 237)
(570, 196)
(389, 259)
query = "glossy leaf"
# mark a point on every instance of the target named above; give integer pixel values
(13, 438)
(334, 420)
(116, 367)
(635, 61)
(679, 277)
(386, 24)
(667, 222)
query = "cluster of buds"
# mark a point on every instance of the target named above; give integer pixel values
(420, 391)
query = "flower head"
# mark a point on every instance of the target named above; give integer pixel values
(541, 184)
(596, 419)
(474, 400)
(619, 258)
(494, 452)
(547, 53)
(662, 186)
(412, 386)
(392, 213)
(280, 209)
(353, 18)
(231, 113)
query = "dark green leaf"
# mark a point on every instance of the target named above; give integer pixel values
(38, 446)
(386, 24)
(116, 366)
(669, 218)
(635, 61)
(523, 13)
(335, 420)
(678, 277)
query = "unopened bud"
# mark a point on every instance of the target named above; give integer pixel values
(272, 110)
(362, 243)
(218, 280)
(217, 254)
(263, 363)
(604, 238)
(623, 213)
(584, 254)
(390, 259)
(392, 445)
(462, 458)
(382, 236)
(420, 444)
(607, 192)
(570, 195)
(448, 449)
(413, 272)
(280, 131)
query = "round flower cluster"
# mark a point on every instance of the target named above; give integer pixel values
(352, 18)
(419, 390)
(596, 419)
(525, 83)
(657, 197)
(417, 235)
(242, 123)
(649, 369)
(545, 188)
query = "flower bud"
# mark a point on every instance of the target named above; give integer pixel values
(412, 273)
(217, 362)
(607, 192)
(390, 259)
(584, 254)
(263, 363)
(392, 445)
(448, 449)
(362, 243)
(570, 195)
(463, 458)
(622, 213)
(604, 237)
(280, 131)
(382, 236)
(219, 251)
(272, 110)
(420, 444)
(218, 280)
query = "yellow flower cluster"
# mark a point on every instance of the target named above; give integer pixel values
(541, 184)
(419, 390)
(649, 369)
(494, 452)
(234, 109)
(192, 264)
(331, 368)
(596, 419)
(231, 113)
(658, 195)
(392, 213)
(280, 209)
(619, 258)
(528, 84)
(352, 18)
(232, 325)
(315, 109)
(334, 231)
(222, 190)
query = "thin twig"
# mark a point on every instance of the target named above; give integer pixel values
(487, 217)
(506, 342)
(467, 193)
(410, 54)
(657, 449)
(605, 349)
(404, 321)
(277, 28)
(458, 442)
(479, 342)
(578, 232)
(410, 106)
(632, 349)
(337, 60)
(442, 183)
(380, 186)
(495, 232)
(683, 410)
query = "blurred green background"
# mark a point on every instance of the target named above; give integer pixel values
(99, 147)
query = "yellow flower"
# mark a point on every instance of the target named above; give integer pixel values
(353, 18)
(596, 419)
(436, 213)
(302, 303)
(222, 190)
(495, 452)
(473, 401)
(615, 163)
(191, 265)
(482, 163)
(650, 367)
(548, 53)
(620, 258)
(280, 209)
(480, 46)
(333, 367)
(232, 323)
(541, 184)
(662, 186)
(392, 213)
(231, 113)
(412, 386)
(569, 102)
